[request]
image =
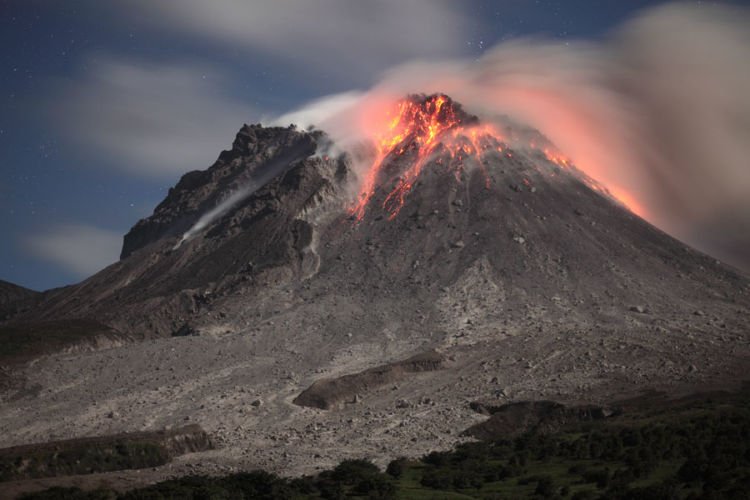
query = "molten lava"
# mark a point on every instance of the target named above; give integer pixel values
(424, 127)
(434, 128)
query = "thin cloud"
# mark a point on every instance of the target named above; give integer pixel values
(79, 249)
(149, 119)
(338, 38)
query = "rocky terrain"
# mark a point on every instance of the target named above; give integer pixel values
(327, 394)
(528, 281)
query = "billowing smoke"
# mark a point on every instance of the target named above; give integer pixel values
(659, 113)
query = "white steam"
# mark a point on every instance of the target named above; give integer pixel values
(261, 177)
(216, 212)
(659, 113)
(320, 110)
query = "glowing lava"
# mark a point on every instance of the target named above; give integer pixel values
(424, 127)
(434, 128)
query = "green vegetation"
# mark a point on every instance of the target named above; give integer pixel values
(81, 458)
(135, 450)
(696, 450)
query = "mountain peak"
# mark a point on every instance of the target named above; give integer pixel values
(256, 154)
(433, 110)
(422, 129)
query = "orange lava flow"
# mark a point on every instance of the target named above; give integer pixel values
(557, 158)
(425, 129)
(431, 130)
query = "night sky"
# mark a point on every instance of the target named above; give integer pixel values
(103, 105)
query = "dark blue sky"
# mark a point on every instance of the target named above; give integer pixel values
(104, 104)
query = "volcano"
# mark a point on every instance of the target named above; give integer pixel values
(305, 307)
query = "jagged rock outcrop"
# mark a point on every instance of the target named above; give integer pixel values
(257, 153)
(156, 288)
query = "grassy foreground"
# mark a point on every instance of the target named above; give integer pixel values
(697, 449)
(135, 450)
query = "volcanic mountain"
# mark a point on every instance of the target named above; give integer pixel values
(305, 307)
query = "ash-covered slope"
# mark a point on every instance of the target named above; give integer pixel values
(528, 279)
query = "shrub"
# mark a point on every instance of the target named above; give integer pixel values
(437, 458)
(437, 480)
(353, 471)
(375, 487)
(545, 486)
(396, 468)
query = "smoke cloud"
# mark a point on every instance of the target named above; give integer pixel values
(659, 113)
(336, 40)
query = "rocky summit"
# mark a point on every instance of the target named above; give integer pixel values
(303, 307)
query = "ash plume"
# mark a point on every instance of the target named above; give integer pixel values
(658, 113)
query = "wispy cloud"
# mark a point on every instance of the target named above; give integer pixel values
(149, 119)
(334, 37)
(162, 118)
(76, 248)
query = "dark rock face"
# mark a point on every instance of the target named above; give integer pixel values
(255, 151)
